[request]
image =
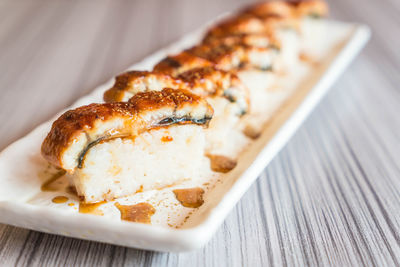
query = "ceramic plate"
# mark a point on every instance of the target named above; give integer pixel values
(23, 172)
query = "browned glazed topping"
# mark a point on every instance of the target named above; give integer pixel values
(221, 163)
(203, 81)
(166, 98)
(140, 213)
(134, 80)
(73, 122)
(175, 65)
(190, 197)
(288, 9)
(211, 81)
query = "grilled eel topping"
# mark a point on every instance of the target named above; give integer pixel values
(130, 83)
(205, 82)
(244, 39)
(77, 130)
(177, 64)
(294, 8)
(237, 57)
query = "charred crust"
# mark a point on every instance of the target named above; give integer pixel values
(172, 62)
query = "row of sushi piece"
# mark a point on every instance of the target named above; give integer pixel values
(156, 127)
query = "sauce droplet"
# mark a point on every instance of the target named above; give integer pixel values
(221, 163)
(91, 208)
(71, 204)
(190, 197)
(140, 213)
(59, 199)
(251, 132)
(167, 138)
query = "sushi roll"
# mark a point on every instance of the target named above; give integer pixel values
(253, 65)
(304, 17)
(110, 150)
(223, 90)
(278, 34)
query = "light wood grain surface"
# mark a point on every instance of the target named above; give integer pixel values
(332, 195)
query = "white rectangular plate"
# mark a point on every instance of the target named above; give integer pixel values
(23, 204)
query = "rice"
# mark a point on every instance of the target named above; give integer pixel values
(153, 160)
(223, 136)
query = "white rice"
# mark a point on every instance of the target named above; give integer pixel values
(121, 167)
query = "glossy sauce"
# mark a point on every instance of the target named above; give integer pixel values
(140, 213)
(59, 199)
(167, 138)
(190, 197)
(251, 132)
(91, 208)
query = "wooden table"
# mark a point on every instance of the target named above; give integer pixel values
(331, 197)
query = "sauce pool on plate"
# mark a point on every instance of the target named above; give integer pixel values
(140, 212)
(190, 197)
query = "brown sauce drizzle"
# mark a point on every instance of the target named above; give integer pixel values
(251, 132)
(91, 208)
(167, 138)
(190, 197)
(140, 190)
(221, 163)
(140, 213)
(59, 199)
(49, 184)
